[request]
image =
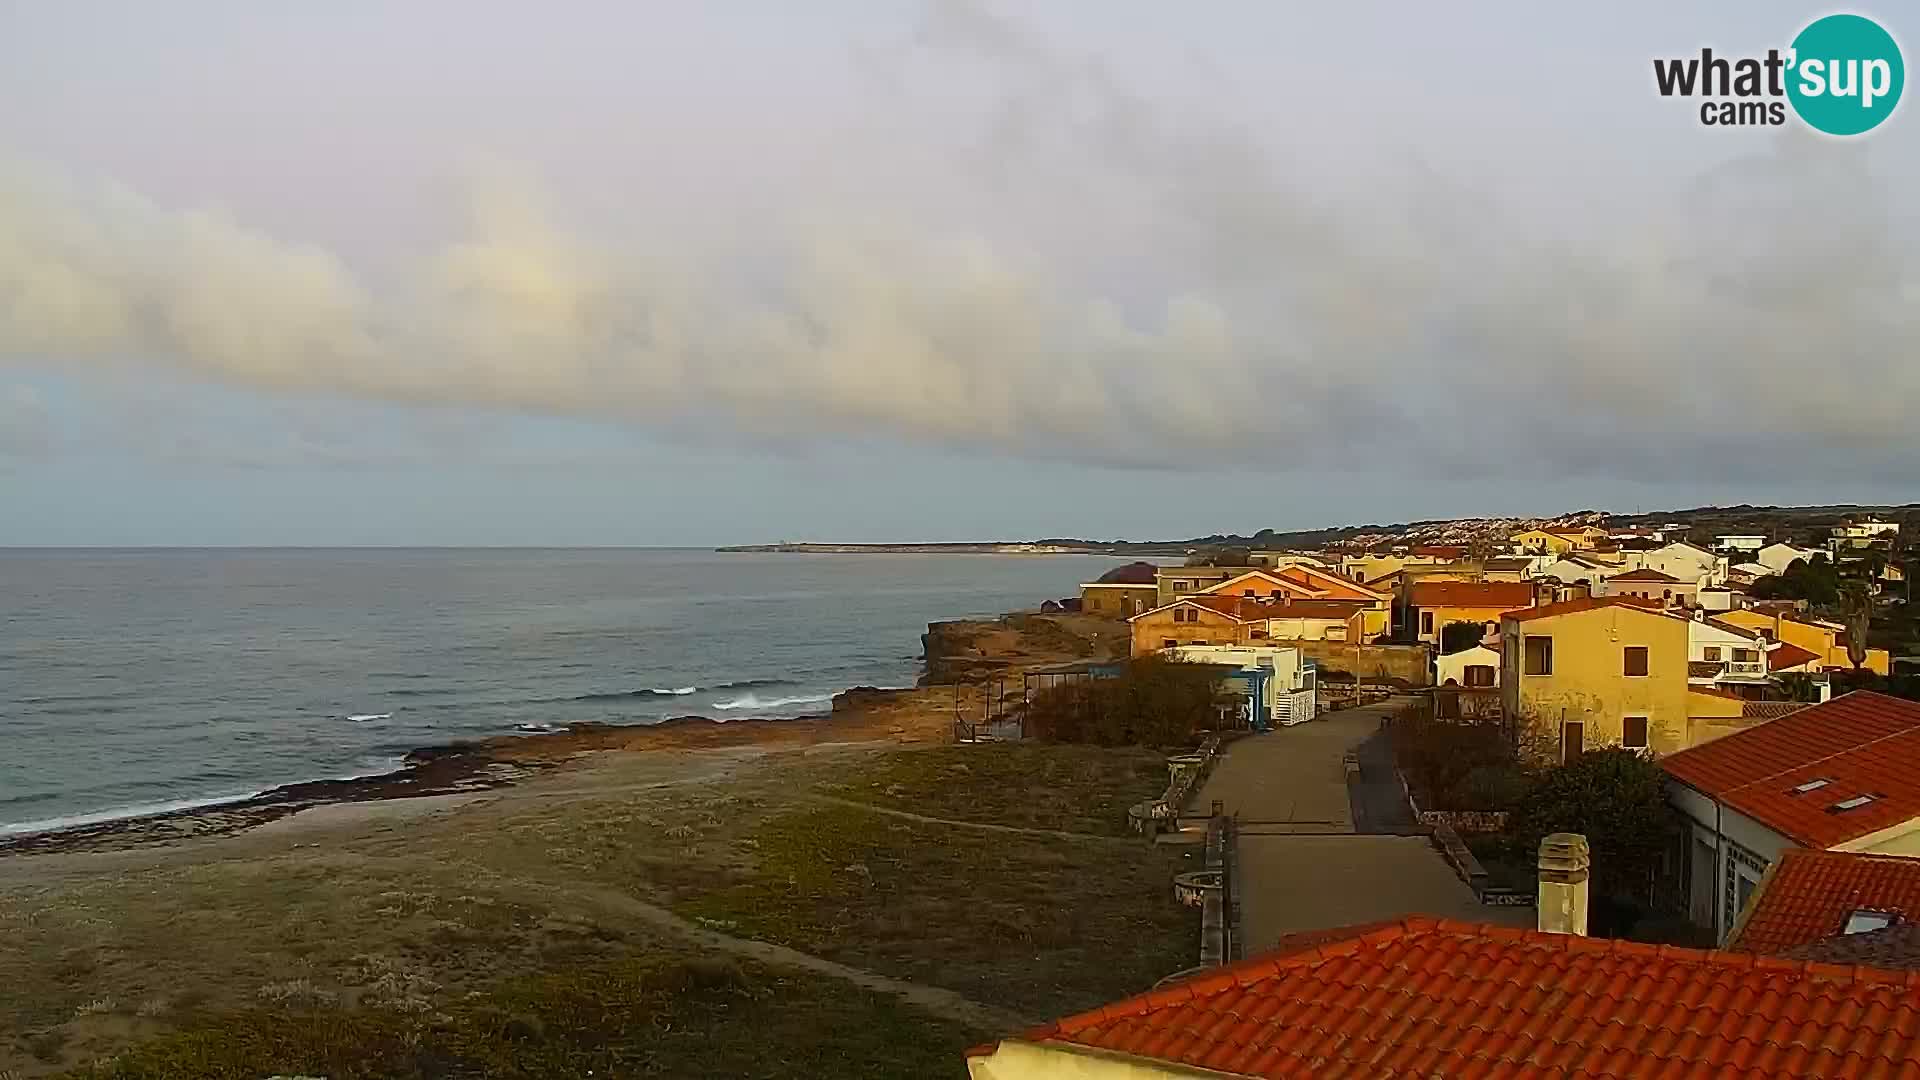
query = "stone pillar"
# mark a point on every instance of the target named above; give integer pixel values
(1564, 863)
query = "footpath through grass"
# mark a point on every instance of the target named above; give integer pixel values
(1043, 925)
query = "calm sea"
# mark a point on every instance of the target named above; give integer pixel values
(133, 681)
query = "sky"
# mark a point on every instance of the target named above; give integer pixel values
(461, 272)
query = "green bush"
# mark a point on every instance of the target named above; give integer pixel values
(1617, 799)
(1153, 701)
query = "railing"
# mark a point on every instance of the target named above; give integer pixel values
(1746, 667)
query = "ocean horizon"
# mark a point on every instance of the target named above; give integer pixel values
(138, 680)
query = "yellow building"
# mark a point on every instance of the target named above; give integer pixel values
(1596, 672)
(1431, 605)
(1212, 620)
(1117, 600)
(1824, 640)
(1542, 542)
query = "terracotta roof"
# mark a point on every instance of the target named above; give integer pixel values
(1771, 710)
(1808, 895)
(1425, 997)
(1508, 564)
(1647, 574)
(1895, 947)
(1704, 669)
(1786, 655)
(1860, 743)
(1589, 603)
(1471, 594)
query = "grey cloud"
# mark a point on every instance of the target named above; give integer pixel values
(1071, 269)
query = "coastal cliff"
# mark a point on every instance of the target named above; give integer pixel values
(969, 650)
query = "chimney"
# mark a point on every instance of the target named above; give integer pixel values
(1563, 884)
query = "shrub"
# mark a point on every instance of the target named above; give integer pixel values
(1440, 758)
(1152, 702)
(1617, 800)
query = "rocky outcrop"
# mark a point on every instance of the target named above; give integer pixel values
(971, 650)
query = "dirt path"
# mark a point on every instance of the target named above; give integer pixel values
(981, 826)
(939, 1002)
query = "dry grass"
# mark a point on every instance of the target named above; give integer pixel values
(1032, 785)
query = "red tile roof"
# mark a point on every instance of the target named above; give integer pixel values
(1807, 896)
(1589, 603)
(1426, 997)
(1647, 574)
(1786, 655)
(1504, 595)
(1894, 947)
(1860, 743)
(1771, 710)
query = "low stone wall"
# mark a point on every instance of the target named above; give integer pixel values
(1466, 822)
(1404, 666)
(1148, 817)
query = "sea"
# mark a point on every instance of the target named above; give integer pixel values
(140, 681)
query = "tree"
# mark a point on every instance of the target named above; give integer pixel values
(1153, 701)
(1617, 799)
(1859, 610)
(1460, 636)
(1796, 686)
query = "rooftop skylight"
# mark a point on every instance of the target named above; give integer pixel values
(1811, 785)
(1854, 803)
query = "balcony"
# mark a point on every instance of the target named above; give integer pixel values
(1749, 668)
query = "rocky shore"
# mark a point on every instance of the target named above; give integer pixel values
(958, 654)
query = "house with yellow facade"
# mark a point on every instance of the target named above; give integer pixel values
(1211, 620)
(1600, 671)
(1320, 584)
(1544, 542)
(1245, 621)
(1826, 640)
(1431, 605)
(1118, 600)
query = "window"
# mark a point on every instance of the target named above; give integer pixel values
(1168, 643)
(1182, 586)
(1250, 594)
(1636, 660)
(1745, 656)
(1854, 803)
(1865, 922)
(1426, 622)
(1257, 634)
(1711, 652)
(1539, 656)
(1479, 675)
(1633, 732)
(1811, 785)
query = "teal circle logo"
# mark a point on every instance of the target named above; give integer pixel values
(1846, 75)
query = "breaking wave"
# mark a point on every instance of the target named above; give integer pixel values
(680, 691)
(753, 701)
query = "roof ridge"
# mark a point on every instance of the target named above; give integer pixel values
(1803, 764)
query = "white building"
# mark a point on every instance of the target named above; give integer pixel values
(1288, 680)
(1840, 776)
(1739, 542)
(1475, 668)
(1777, 557)
(1735, 655)
(1576, 570)
(1681, 560)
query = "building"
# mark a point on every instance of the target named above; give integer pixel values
(1475, 668)
(1681, 560)
(1293, 581)
(1174, 582)
(1652, 586)
(1229, 620)
(1739, 543)
(1777, 557)
(1279, 682)
(1431, 605)
(1725, 655)
(1264, 585)
(1578, 570)
(1864, 533)
(1310, 620)
(1808, 897)
(1825, 640)
(1192, 620)
(1518, 568)
(1118, 600)
(1423, 997)
(1596, 672)
(1546, 542)
(1841, 776)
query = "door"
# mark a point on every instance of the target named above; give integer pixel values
(1573, 736)
(1700, 891)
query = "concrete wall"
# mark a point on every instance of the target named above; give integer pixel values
(1405, 664)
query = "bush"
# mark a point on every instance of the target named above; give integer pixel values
(1152, 702)
(1613, 797)
(1460, 636)
(1453, 766)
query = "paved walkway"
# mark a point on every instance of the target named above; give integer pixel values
(1318, 851)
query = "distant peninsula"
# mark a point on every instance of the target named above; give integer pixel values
(927, 549)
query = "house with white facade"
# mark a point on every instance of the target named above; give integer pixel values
(1722, 654)
(1652, 585)
(1777, 557)
(1475, 668)
(1681, 560)
(1739, 543)
(1572, 569)
(1281, 682)
(1840, 776)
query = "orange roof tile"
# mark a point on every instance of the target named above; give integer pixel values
(1860, 743)
(1589, 603)
(1894, 947)
(1808, 895)
(1786, 655)
(1425, 997)
(1504, 595)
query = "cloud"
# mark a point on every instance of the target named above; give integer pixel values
(1058, 265)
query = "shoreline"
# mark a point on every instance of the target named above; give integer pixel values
(459, 767)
